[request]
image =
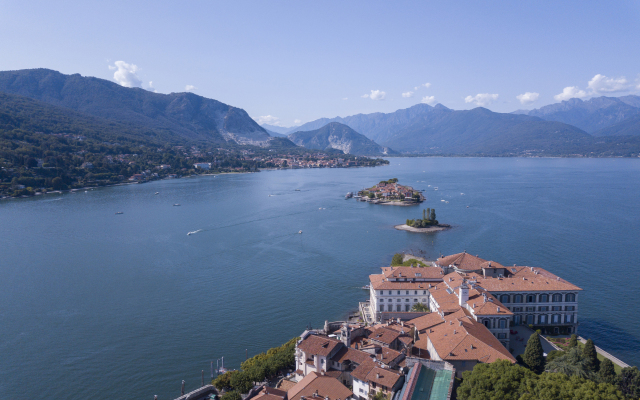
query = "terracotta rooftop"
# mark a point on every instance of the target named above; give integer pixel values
(426, 321)
(491, 264)
(349, 354)
(363, 370)
(320, 345)
(466, 339)
(324, 386)
(479, 306)
(385, 335)
(268, 393)
(383, 377)
(525, 279)
(412, 273)
(461, 260)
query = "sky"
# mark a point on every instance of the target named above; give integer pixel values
(291, 62)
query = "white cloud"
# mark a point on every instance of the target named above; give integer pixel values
(482, 99)
(601, 84)
(151, 88)
(345, 98)
(430, 100)
(407, 94)
(296, 122)
(365, 96)
(377, 95)
(570, 92)
(528, 97)
(269, 119)
(427, 85)
(190, 88)
(125, 74)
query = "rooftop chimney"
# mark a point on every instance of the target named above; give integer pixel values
(378, 375)
(498, 309)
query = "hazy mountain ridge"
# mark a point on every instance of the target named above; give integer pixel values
(591, 115)
(335, 135)
(187, 115)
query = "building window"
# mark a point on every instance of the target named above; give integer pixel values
(543, 319)
(407, 292)
(424, 292)
(556, 318)
(531, 298)
(502, 335)
(415, 300)
(390, 307)
(381, 308)
(517, 319)
(545, 308)
(406, 300)
(399, 307)
(568, 318)
(530, 319)
(544, 298)
(531, 309)
(424, 300)
(399, 300)
(570, 308)
(406, 308)
(415, 292)
(504, 298)
(517, 298)
(570, 297)
(503, 323)
(487, 323)
(398, 292)
(381, 300)
(556, 308)
(557, 298)
(389, 292)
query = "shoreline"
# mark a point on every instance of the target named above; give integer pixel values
(437, 228)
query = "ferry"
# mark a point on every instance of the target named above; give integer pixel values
(119, 212)
(176, 205)
(348, 196)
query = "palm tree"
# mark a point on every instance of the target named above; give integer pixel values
(573, 362)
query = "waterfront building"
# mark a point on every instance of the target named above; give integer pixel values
(495, 295)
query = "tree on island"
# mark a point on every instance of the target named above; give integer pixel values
(397, 259)
(629, 382)
(533, 355)
(428, 219)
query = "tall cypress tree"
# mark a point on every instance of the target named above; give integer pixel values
(607, 373)
(533, 355)
(592, 356)
(433, 214)
(573, 342)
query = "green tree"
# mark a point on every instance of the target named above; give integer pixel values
(498, 380)
(397, 259)
(573, 342)
(419, 307)
(629, 382)
(533, 355)
(233, 395)
(572, 362)
(552, 355)
(433, 214)
(592, 356)
(371, 195)
(223, 382)
(379, 396)
(241, 381)
(607, 373)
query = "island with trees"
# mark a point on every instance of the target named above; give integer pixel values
(428, 223)
(389, 192)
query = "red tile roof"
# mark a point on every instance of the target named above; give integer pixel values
(325, 386)
(319, 345)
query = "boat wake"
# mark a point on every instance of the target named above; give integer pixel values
(194, 232)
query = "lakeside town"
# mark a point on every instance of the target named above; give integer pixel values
(390, 192)
(432, 330)
(91, 167)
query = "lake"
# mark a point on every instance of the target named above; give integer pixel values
(94, 304)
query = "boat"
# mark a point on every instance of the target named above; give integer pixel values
(157, 193)
(366, 287)
(297, 190)
(300, 232)
(176, 205)
(348, 196)
(435, 188)
(119, 212)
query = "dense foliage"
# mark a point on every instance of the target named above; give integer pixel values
(258, 368)
(419, 307)
(502, 380)
(428, 219)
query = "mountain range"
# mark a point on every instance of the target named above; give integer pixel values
(572, 127)
(174, 117)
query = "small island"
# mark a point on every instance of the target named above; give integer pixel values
(391, 193)
(428, 223)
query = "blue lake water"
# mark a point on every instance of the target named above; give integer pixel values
(94, 304)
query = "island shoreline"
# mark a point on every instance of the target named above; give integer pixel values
(437, 228)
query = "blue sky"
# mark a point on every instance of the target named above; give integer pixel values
(290, 62)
